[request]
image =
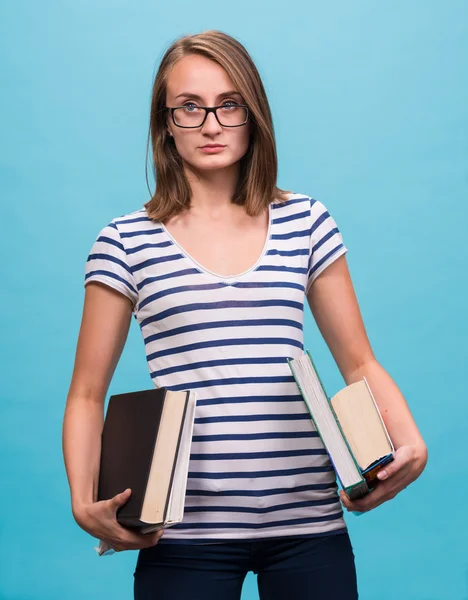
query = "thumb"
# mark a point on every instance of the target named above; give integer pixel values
(400, 460)
(121, 498)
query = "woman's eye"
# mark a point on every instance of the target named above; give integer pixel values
(229, 104)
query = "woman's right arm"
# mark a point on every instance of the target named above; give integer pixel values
(103, 332)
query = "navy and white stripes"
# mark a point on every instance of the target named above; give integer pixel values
(257, 467)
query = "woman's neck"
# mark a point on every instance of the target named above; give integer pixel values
(212, 190)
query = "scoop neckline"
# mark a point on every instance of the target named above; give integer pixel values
(228, 278)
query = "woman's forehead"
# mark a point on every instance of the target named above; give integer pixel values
(198, 76)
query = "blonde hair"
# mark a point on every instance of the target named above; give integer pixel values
(256, 186)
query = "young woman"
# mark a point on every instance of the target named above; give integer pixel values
(216, 268)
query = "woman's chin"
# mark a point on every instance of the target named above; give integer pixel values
(212, 163)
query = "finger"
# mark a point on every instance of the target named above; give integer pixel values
(367, 502)
(139, 540)
(120, 499)
(352, 505)
(401, 460)
(157, 536)
(373, 503)
(392, 469)
(142, 540)
(361, 505)
(151, 539)
(378, 496)
(344, 499)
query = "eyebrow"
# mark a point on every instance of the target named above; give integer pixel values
(189, 95)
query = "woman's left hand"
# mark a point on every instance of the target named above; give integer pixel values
(408, 463)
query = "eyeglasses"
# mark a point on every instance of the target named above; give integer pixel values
(191, 116)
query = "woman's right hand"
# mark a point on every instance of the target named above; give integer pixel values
(99, 519)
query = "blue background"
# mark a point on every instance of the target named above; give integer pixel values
(370, 109)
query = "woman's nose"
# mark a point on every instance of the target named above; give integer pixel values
(211, 124)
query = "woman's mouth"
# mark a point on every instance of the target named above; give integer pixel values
(212, 148)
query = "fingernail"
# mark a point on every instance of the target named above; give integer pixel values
(382, 474)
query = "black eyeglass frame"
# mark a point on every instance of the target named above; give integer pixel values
(207, 109)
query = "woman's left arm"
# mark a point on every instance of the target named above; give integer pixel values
(335, 308)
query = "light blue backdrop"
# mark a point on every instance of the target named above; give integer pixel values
(370, 108)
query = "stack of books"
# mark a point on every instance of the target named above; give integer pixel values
(145, 446)
(350, 426)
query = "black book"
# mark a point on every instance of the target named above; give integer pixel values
(145, 446)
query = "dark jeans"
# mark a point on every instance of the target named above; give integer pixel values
(315, 568)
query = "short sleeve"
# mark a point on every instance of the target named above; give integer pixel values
(326, 241)
(107, 263)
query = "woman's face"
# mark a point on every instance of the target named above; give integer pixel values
(197, 81)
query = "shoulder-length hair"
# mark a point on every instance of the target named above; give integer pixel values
(256, 186)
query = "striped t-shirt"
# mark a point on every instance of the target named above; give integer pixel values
(258, 468)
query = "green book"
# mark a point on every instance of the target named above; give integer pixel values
(350, 426)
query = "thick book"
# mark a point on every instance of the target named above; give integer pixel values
(350, 426)
(145, 446)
